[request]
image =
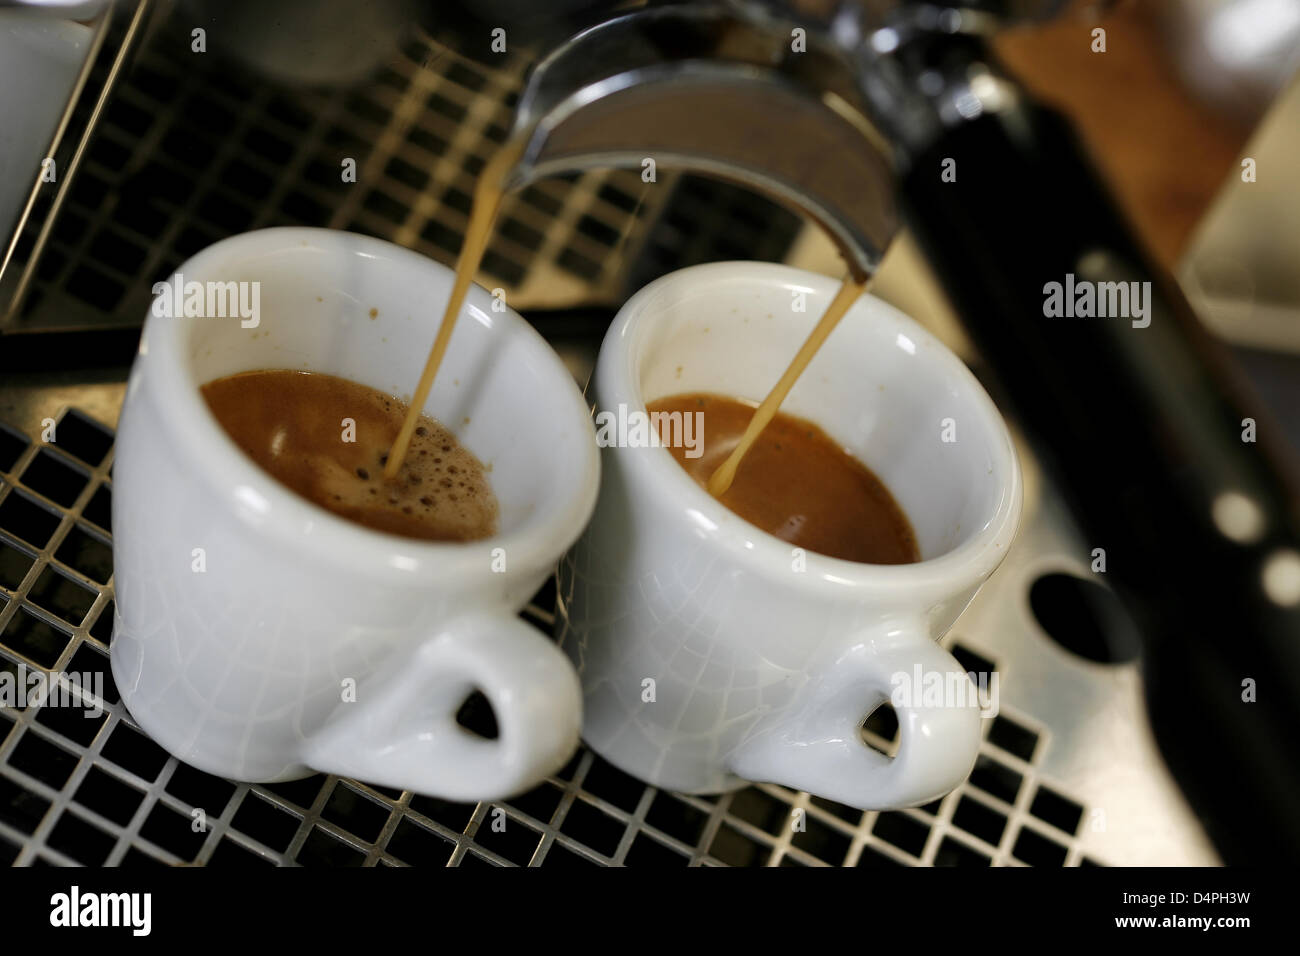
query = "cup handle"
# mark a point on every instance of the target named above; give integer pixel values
(401, 730)
(820, 748)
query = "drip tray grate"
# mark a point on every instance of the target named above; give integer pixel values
(78, 787)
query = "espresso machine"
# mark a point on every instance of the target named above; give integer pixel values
(864, 118)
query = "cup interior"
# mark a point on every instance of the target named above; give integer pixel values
(368, 311)
(882, 387)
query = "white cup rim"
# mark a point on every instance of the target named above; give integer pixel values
(198, 438)
(966, 564)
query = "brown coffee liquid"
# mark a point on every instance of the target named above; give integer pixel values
(483, 213)
(796, 483)
(293, 424)
(850, 289)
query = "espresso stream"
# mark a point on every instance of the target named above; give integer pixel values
(487, 201)
(805, 509)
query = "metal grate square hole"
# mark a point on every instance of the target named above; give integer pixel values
(403, 172)
(592, 827)
(503, 267)
(173, 831)
(996, 778)
(30, 637)
(898, 829)
(579, 265)
(247, 180)
(264, 143)
(454, 816)
(92, 666)
(358, 814)
(14, 565)
(1013, 738)
(102, 629)
(560, 857)
(540, 803)
(108, 796)
(821, 840)
(507, 837)
(1061, 812)
(955, 853)
(848, 814)
(761, 809)
(19, 807)
(872, 858)
(28, 519)
(127, 116)
(325, 849)
(426, 140)
(43, 760)
(200, 790)
(142, 216)
(419, 846)
(612, 785)
(135, 859)
(228, 214)
(979, 820)
(79, 724)
(302, 792)
(265, 822)
(1037, 850)
(111, 248)
(734, 848)
(61, 595)
(99, 508)
(972, 662)
(81, 840)
(85, 552)
(677, 819)
(932, 807)
(649, 852)
(166, 182)
(133, 751)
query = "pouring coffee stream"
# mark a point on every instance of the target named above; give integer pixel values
(487, 201)
(626, 94)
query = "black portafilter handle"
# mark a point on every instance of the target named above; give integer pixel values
(1164, 465)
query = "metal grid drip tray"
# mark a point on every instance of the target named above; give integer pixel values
(1074, 782)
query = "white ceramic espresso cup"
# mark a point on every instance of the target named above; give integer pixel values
(713, 654)
(261, 637)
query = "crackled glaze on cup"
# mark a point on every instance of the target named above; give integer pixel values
(761, 671)
(242, 668)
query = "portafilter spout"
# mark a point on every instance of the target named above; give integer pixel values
(704, 90)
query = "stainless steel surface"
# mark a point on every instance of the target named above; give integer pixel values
(14, 284)
(191, 150)
(696, 88)
(1067, 774)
